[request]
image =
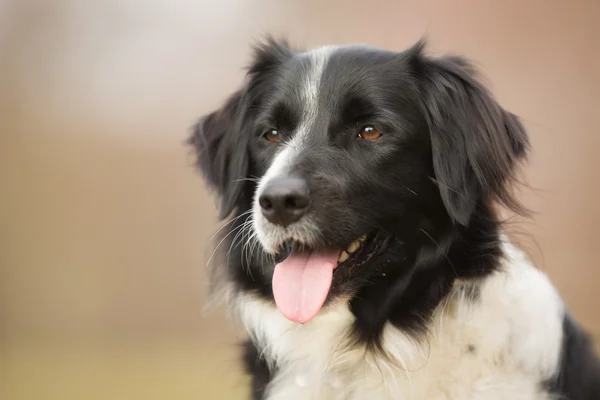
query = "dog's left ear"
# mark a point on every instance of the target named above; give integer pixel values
(475, 142)
(222, 151)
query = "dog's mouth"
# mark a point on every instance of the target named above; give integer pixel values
(303, 275)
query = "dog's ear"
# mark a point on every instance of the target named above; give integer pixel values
(475, 142)
(221, 147)
(221, 139)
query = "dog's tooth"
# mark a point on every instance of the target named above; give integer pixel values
(343, 256)
(362, 238)
(352, 247)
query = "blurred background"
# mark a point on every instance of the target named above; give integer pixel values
(104, 224)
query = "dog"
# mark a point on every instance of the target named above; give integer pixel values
(364, 250)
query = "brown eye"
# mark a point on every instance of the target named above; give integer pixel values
(271, 135)
(369, 132)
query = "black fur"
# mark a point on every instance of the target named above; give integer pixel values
(475, 143)
(221, 146)
(425, 193)
(578, 376)
(256, 367)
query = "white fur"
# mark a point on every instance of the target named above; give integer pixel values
(515, 328)
(268, 234)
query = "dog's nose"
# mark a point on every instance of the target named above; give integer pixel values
(284, 200)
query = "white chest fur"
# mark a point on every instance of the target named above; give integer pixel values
(498, 347)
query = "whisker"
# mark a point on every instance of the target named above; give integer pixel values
(256, 180)
(229, 222)
(250, 247)
(245, 249)
(233, 245)
(438, 246)
(256, 245)
(219, 244)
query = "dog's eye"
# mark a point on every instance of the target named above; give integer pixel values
(272, 135)
(369, 132)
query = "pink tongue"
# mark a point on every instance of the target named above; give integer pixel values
(301, 284)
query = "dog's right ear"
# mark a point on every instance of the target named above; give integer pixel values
(221, 139)
(221, 148)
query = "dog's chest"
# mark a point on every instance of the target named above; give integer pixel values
(316, 363)
(496, 348)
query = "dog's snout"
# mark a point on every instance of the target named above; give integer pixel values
(284, 201)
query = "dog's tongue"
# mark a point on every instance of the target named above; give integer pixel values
(301, 284)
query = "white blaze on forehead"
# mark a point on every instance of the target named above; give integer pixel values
(317, 60)
(310, 88)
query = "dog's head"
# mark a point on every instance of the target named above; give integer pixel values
(331, 154)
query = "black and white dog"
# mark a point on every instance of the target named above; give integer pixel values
(365, 256)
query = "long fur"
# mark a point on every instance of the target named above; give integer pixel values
(438, 303)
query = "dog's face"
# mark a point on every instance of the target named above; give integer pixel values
(331, 155)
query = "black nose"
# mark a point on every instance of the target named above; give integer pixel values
(284, 200)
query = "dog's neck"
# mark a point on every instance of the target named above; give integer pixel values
(413, 278)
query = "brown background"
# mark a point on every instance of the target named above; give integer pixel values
(104, 223)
